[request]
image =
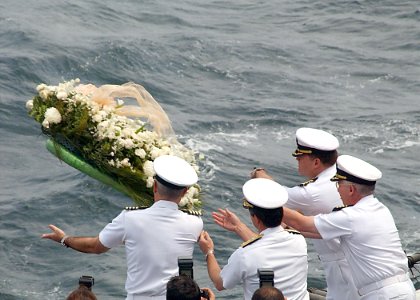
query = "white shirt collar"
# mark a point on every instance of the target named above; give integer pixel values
(165, 204)
(272, 230)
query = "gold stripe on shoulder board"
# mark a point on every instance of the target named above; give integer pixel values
(135, 207)
(338, 208)
(308, 182)
(292, 231)
(192, 212)
(251, 240)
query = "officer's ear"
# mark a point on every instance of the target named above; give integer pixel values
(317, 162)
(154, 186)
(184, 191)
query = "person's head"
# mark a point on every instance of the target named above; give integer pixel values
(268, 293)
(265, 199)
(316, 150)
(173, 177)
(182, 288)
(81, 293)
(355, 178)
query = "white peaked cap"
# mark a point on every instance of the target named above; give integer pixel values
(265, 193)
(175, 170)
(309, 139)
(353, 169)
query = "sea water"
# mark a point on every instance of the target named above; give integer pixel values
(237, 78)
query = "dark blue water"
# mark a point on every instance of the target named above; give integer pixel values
(236, 79)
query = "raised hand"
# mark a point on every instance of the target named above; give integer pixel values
(226, 219)
(56, 235)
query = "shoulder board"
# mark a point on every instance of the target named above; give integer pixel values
(308, 182)
(338, 208)
(192, 212)
(135, 207)
(251, 240)
(292, 231)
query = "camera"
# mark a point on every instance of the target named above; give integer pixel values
(87, 281)
(204, 294)
(185, 265)
(266, 277)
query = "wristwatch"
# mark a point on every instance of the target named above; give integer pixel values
(63, 241)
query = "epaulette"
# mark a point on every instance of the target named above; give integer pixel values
(308, 182)
(251, 240)
(292, 231)
(192, 212)
(338, 208)
(135, 207)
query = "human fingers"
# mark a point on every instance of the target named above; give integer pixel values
(217, 216)
(56, 234)
(231, 215)
(210, 293)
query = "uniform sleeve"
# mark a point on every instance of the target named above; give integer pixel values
(114, 233)
(299, 199)
(196, 225)
(233, 273)
(333, 225)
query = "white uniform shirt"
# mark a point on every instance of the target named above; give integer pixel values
(279, 250)
(311, 199)
(369, 239)
(154, 238)
(318, 197)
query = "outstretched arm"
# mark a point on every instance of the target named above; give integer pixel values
(228, 220)
(207, 247)
(81, 244)
(305, 224)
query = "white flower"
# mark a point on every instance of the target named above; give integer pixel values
(44, 94)
(52, 115)
(29, 104)
(41, 86)
(62, 95)
(155, 152)
(149, 182)
(46, 124)
(183, 201)
(148, 169)
(124, 163)
(140, 153)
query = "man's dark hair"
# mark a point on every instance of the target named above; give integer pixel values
(267, 293)
(182, 288)
(168, 191)
(326, 157)
(269, 217)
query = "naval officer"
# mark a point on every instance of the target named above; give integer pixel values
(273, 247)
(154, 238)
(316, 154)
(367, 231)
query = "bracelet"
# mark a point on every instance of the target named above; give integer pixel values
(63, 241)
(211, 251)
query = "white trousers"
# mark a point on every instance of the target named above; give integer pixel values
(340, 285)
(398, 289)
